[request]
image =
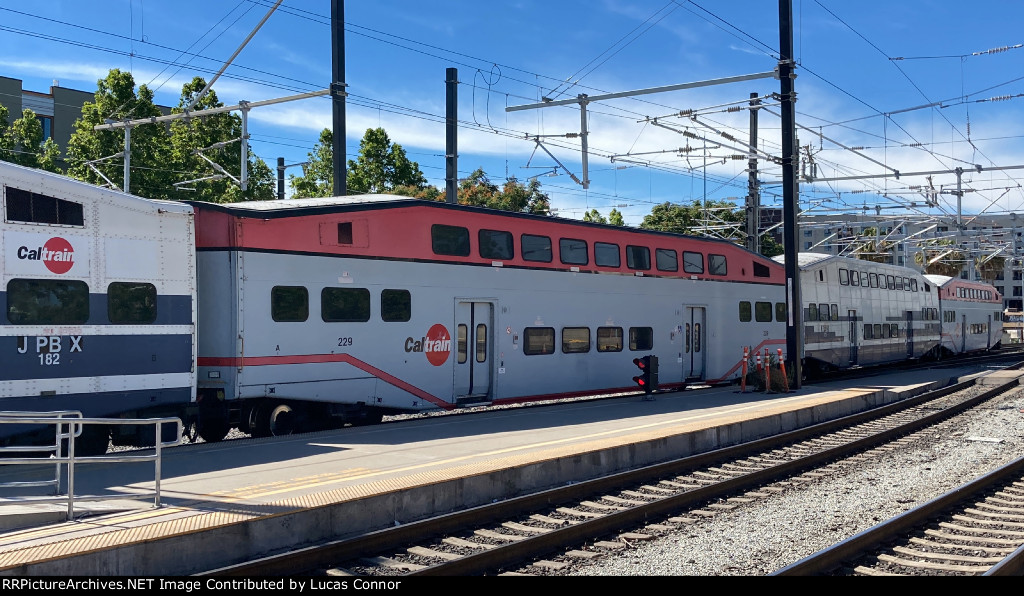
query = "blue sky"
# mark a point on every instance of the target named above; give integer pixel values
(865, 112)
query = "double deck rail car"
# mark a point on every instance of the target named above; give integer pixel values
(861, 313)
(98, 295)
(327, 311)
(971, 315)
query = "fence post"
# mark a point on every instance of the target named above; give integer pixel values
(743, 379)
(782, 367)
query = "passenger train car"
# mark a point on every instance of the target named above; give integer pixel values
(971, 315)
(98, 292)
(318, 311)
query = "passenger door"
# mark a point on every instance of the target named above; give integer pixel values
(694, 337)
(852, 315)
(474, 351)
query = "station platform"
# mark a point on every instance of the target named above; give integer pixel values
(229, 502)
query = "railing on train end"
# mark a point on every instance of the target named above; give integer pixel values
(68, 425)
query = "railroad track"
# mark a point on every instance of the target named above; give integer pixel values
(974, 529)
(541, 533)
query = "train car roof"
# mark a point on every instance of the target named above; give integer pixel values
(938, 280)
(805, 259)
(43, 182)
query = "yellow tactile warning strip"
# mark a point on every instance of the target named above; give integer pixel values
(111, 532)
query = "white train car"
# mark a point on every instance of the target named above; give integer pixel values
(861, 313)
(98, 296)
(313, 312)
(971, 315)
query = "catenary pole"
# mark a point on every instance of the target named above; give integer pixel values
(790, 194)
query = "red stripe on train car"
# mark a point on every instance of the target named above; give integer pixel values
(322, 359)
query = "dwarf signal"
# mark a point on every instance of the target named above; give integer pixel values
(648, 377)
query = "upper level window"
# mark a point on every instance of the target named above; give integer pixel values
(607, 255)
(573, 252)
(666, 259)
(761, 270)
(495, 244)
(693, 262)
(449, 240)
(535, 248)
(22, 205)
(717, 265)
(638, 257)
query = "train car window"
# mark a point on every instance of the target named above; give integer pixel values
(693, 262)
(572, 252)
(575, 340)
(781, 312)
(913, 285)
(763, 312)
(288, 304)
(131, 303)
(890, 282)
(864, 279)
(854, 278)
(395, 305)
(867, 331)
(821, 275)
(47, 302)
(844, 277)
(641, 338)
(895, 330)
(609, 339)
(812, 312)
(638, 257)
(461, 333)
(696, 337)
(665, 259)
(761, 270)
(481, 342)
(899, 283)
(835, 312)
(494, 244)
(873, 280)
(687, 338)
(878, 330)
(449, 240)
(535, 248)
(823, 312)
(22, 205)
(745, 315)
(538, 340)
(607, 255)
(906, 284)
(718, 265)
(344, 232)
(345, 305)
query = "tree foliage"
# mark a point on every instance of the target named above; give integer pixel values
(22, 142)
(477, 189)
(317, 179)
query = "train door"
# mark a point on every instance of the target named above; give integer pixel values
(910, 334)
(963, 334)
(474, 351)
(852, 315)
(988, 333)
(693, 344)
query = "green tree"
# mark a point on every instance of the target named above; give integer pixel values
(876, 251)
(478, 190)
(22, 142)
(381, 166)
(217, 137)
(615, 218)
(594, 216)
(117, 99)
(940, 257)
(668, 217)
(317, 179)
(770, 247)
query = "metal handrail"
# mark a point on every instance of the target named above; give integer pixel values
(68, 425)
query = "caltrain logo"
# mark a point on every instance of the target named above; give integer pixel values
(437, 345)
(57, 254)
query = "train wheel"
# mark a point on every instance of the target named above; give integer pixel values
(213, 421)
(274, 420)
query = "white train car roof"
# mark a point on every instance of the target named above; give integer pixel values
(807, 260)
(389, 226)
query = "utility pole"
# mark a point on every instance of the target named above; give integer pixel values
(451, 154)
(338, 93)
(280, 178)
(753, 192)
(790, 195)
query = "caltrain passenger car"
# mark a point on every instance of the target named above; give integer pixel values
(320, 312)
(99, 303)
(861, 313)
(971, 315)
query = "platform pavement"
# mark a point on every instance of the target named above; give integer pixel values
(227, 502)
